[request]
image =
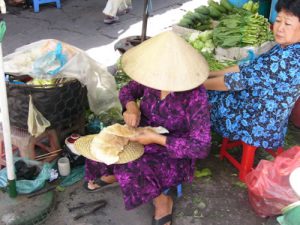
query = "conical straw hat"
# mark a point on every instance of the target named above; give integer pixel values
(166, 62)
(131, 152)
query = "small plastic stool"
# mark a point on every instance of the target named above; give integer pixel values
(246, 164)
(26, 144)
(179, 191)
(37, 3)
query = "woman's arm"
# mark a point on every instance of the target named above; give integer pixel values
(216, 80)
(128, 96)
(131, 92)
(218, 73)
(147, 137)
(196, 144)
(216, 84)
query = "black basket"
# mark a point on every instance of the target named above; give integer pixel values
(61, 104)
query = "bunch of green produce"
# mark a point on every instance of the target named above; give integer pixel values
(121, 78)
(215, 65)
(196, 20)
(202, 42)
(201, 18)
(95, 123)
(251, 6)
(242, 30)
(111, 116)
(216, 10)
(256, 31)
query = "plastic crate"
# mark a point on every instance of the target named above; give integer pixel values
(273, 13)
(238, 3)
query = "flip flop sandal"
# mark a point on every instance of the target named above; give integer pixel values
(103, 185)
(111, 20)
(163, 220)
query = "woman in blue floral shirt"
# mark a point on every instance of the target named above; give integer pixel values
(252, 102)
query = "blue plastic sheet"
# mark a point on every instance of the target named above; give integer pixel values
(28, 186)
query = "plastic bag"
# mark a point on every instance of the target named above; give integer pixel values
(268, 184)
(247, 60)
(101, 85)
(290, 216)
(36, 122)
(29, 186)
(49, 64)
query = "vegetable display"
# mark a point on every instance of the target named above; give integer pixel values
(232, 26)
(203, 42)
(251, 6)
(202, 17)
(242, 30)
(215, 65)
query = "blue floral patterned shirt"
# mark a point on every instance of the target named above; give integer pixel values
(260, 100)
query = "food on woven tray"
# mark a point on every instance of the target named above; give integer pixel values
(106, 147)
(120, 130)
(110, 142)
(126, 131)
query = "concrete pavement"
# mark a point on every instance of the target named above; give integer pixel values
(80, 23)
(215, 200)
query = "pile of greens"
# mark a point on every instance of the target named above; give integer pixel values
(251, 6)
(201, 18)
(240, 30)
(121, 78)
(215, 65)
(203, 42)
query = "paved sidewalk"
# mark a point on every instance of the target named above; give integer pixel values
(214, 200)
(80, 23)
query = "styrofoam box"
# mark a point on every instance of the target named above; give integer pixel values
(237, 53)
(184, 32)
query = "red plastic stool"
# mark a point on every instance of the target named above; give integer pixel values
(26, 144)
(246, 164)
(2, 154)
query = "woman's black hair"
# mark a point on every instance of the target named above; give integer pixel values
(291, 6)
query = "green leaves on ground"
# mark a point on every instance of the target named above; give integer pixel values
(240, 184)
(203, 173)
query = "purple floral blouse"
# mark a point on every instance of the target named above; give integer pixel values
(186, 116)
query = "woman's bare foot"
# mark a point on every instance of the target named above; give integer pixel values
(108, 179)
(163, 207)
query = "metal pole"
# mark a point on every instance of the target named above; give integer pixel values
(145, 20)
(12, 191)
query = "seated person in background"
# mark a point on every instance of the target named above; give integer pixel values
(253, 102)
(114, 7)
(167, 75)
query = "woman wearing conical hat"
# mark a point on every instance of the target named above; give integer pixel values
(167, 75)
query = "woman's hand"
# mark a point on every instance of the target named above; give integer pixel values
(132, 115)
(148, 136)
